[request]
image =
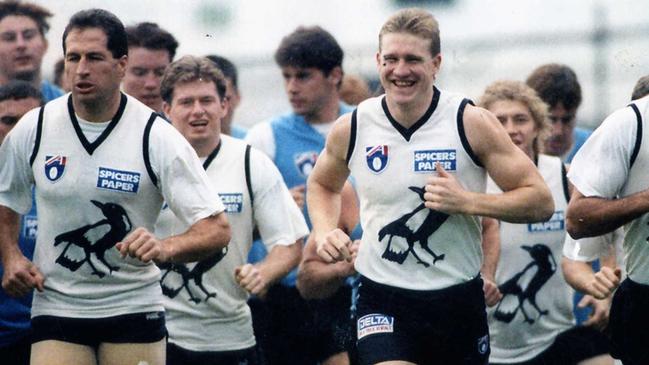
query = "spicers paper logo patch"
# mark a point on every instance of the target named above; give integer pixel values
(424, 161)
(118, 180)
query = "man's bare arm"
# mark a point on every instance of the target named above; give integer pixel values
(594, 216)
(525, 197)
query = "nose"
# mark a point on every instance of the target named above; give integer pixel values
(401, 68)
(151, 81)
(82, 67)
(292, 85)
(197, 108)
(21, 42)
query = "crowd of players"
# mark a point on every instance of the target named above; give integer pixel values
(139, 224)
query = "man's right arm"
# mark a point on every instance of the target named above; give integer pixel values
(323, 199)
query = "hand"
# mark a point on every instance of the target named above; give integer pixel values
(444, 193)
(491, 293)
(348, 266)
(604, 282)
(21, 276)
(250, 278)
(334, 246)
(297, 192)
(598, 318)
(144, 246)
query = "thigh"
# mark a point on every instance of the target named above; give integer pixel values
(132, 353)
(53, 352)
(575, 345)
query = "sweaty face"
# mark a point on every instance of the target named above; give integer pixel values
(11, 111)
(94, 74)
(562, 126)
(308, 89)
(21, 47)
(196, 111)
(406, 68)
(515, 116)
(144, 73)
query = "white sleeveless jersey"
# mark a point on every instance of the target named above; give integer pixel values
(537, 302)
(90, 195)
(404, 244)
(206, 308)
(613, 163)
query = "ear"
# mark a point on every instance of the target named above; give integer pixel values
(121, 64)
(166, 108)
(378, 60)
(336, 75)
(437, 62)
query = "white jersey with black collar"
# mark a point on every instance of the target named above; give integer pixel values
(404, 244)
(206, 309)
(537, 302)
(613, 163)
(91, 194)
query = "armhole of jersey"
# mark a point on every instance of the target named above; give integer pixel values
(462, 133)
(564, 180)
(352, 137)
(145, 148)
(248, 178)
(39, 133)
(638, 137)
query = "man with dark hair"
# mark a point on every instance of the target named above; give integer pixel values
(101, 164)
(232, 95)
(17, 98)
(310, 60)
(150, 50)
(23, 45)
(214, 326)
(557, 85)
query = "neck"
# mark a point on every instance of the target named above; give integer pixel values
(327, 113)
(204, 148)
(408, 114)
(97, 111)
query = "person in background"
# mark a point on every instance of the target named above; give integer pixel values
(533, 322)
(209, 321)
(354, 89)
(641, 88)
(232, 94)
(150, 50)
(22, 45)
(310, 60)
(17, 98)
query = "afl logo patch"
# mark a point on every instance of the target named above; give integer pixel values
(55, 167)
(305, 161)
(377, 158)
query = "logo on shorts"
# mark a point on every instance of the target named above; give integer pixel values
(305, 162)
(483, 344)
(377, 158)
(233, 202)
(55, 167)
(556, 223)
(425, 160)
(374, 323)
(118, 180)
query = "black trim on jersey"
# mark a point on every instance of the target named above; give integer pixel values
(408, 132)
(638, 137)
(564, 180)
(462, 133)
(212, 155)
(91, 147)
(248, 176)
(352, 137)
(145, 148)
(39, 133)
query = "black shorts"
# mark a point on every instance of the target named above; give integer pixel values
(571, 347)
(177, 355)
(447, 326)
(628, 323)
(128, 328)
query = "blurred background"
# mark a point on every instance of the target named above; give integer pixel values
(605, 42)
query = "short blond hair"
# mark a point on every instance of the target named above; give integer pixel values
(415, 21)
(519, 91)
